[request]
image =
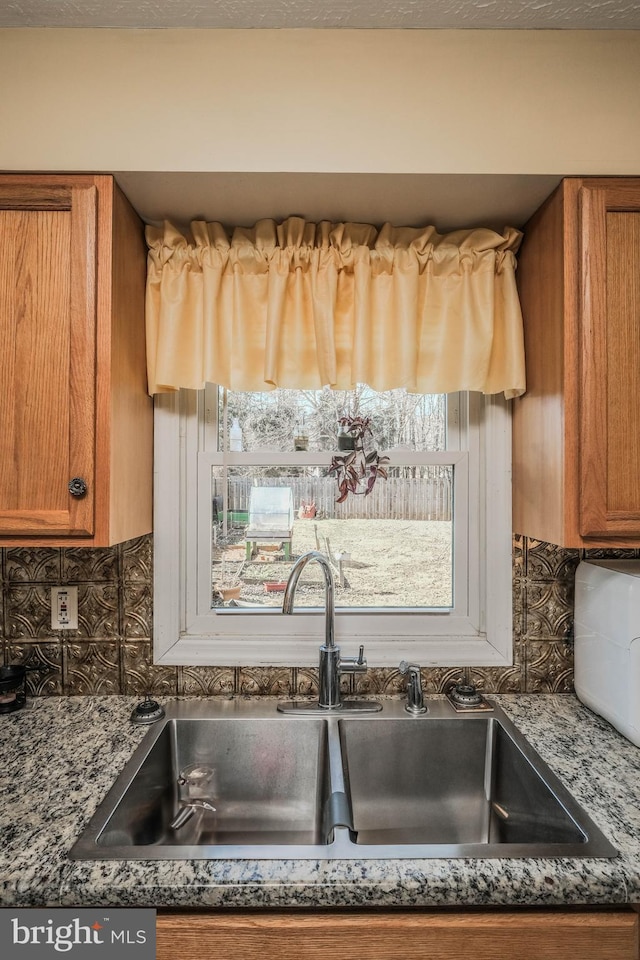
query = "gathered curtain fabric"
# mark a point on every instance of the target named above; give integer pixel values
(304, 305)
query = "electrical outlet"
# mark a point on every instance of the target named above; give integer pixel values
(64, 608)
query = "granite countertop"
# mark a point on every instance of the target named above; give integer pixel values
(60, 756)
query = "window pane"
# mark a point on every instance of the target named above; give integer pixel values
(277, 420)
(391, 549)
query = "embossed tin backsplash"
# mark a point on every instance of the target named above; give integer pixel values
(110, 652)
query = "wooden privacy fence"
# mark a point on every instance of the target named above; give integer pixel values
(398, 498)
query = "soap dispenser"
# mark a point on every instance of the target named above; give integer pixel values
(235, 436)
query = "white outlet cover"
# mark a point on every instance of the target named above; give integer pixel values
(64, 608)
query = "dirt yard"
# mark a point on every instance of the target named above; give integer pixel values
(385, 563)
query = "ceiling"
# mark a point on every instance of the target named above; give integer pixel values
(327, 14)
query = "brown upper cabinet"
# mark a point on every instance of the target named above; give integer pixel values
(75, 419)
(576, 432)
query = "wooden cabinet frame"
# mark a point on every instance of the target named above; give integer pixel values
(23, 474)
(99, 408)
(609, 307)
(576, 431)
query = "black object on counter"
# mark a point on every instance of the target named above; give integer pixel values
(13, 685)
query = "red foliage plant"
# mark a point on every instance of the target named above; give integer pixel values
(357, 471)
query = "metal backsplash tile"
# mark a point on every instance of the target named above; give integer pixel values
(620, 554)
(518, 609)
(267, 681)
(32, 565)
(548, 609)
(27, 611)
(502, 679)
(549, 666)
(518, 555)
(81, 564)
(378, 681)
(46, 679)
(545, 561)
(137, 609)
(140, 676)
(98, 610)
(304, 682)
(91, 667)
(111, 651)
(207, 681)
(137, 560)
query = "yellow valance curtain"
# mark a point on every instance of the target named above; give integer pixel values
(303, 305)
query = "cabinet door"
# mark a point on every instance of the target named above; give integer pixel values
(378, 935)
(610, 360)
(47, 358)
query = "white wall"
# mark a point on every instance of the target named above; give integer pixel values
(364, 101)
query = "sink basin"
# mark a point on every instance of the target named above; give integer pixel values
(449, 782)
(267, 782)
(235, 779)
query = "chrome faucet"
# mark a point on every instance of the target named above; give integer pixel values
(415, 697)
(331, 664)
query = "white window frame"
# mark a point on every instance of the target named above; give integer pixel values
(477, 631)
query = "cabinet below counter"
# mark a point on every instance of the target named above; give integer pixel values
(484, 935)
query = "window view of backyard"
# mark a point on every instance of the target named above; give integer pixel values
(392, 548)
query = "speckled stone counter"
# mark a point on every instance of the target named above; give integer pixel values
(60, 756)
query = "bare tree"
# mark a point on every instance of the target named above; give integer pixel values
(399, 419)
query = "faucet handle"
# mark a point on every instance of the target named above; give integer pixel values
(353, 664)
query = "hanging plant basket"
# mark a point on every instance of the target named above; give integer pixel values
(357, 470)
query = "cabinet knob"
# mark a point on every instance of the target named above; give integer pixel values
(77, 487)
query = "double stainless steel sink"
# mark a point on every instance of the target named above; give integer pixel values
(236, 780)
